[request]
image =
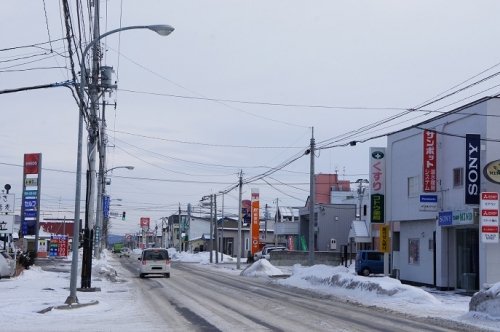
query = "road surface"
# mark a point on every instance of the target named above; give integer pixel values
(198, 298)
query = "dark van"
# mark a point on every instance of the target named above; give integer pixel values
(368, 262)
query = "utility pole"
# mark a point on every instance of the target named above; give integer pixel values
(276, 219)
(93, 133)
(311, 202)
(238, 240)
(100, 231)
(211, 241)
(180, 229)
(216, 236)
(222, 230)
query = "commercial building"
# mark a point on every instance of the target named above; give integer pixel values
(435, 174)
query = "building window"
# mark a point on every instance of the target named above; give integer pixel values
(413, 187)
(413, 251)
(458, 177)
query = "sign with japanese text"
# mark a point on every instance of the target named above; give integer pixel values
(255, 220)
(428, 203)
(7, 203)
(472, 168)
(489, 217)
(6, 224)
(30, 203)
(105, 206)
(384, 238)
(430, 161)
(377, 185)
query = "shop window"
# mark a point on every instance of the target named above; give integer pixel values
(458, 177)
(413, 187)
(413, 251)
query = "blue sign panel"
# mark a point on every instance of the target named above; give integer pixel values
(428, 198)
(105, 206)
(30, 214)
(30, 204)
(445, 218)
(30, 193)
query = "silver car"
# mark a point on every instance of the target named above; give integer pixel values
(154, 261)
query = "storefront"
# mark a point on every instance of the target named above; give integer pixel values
(460, 239)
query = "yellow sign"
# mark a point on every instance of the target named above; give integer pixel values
(384, 238)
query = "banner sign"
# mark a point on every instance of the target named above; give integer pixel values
(377, 185)
(255, 220)
(472, 168)
(30, 203)
(489, 217)
(430, 160)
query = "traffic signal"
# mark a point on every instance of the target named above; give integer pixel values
(123, 215)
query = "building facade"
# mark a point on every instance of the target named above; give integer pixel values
(435, 177)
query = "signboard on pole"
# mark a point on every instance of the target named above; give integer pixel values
(472, 168)
(384, 238)
(428, 203)
(377, 185)
(255, 221)
(7, 203)
(489, 217)
(145, 222)
(6, 224)
(430, 161)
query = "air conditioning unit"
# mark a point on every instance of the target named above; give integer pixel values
(333, 244)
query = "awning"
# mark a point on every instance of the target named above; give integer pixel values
(359, 231)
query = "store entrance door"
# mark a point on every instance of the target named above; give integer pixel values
(467, 258)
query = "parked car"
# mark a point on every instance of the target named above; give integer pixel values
(369, 262)
(7, 265)
(154, 261)
(265, 253)
(125, 252)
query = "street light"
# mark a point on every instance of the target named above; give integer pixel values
(101, 222)
(163, 30)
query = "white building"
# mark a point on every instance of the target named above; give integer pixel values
(432, 197)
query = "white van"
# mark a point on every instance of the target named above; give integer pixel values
(154, 261)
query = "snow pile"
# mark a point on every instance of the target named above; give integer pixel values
(340, 280)
(487, 301)
(261, 268)
(200, 257)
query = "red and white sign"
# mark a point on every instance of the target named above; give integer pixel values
(430, 159)
(32, 163)
(489, 217)
(145, 222)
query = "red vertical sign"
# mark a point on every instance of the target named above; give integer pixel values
(255, 221)
(430, 161)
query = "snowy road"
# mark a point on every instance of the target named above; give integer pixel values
(196, 298)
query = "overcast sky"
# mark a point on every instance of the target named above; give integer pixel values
(177, 120)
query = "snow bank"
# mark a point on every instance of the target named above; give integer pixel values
(487, 301)
(261, 268)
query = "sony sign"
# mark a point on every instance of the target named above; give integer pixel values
(472, 168)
